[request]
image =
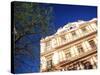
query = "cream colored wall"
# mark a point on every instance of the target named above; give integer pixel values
(56, 41)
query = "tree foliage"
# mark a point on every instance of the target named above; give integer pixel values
(31, 22)
(31, 18)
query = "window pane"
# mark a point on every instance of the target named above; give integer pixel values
(84, 30)
(88, 65)
(48, 45)
(49, 64)
(92, 43)
(80, 48)
(63, 39)
(73, 34)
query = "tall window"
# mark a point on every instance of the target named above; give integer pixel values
(80, 48)
(88, 65)
(49, 64)
(48, 45)
(54, 42)
(68, 55)
(73, 34)
(92, 43)
(63, 39)
(84, 30)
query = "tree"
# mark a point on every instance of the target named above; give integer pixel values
(31, 22)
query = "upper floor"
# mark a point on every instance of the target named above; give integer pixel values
(70, 32)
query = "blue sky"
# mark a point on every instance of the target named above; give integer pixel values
(64, 14)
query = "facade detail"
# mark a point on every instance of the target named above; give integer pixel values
(72, 47)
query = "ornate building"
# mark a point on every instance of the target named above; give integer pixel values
(72, 47)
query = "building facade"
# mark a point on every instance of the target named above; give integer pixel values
(72, 47)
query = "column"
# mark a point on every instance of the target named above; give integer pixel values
(75, 50)
(62, 56)
(95, 40)
(93, 25)
(89, 28)
(43, 47)
(43, 63)
(70, 36)
(54, 42)
(86, 46)
(58, 42)
(93, 61)
(55, 58)
(80, 31)
(67, 38)
(72, 52)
